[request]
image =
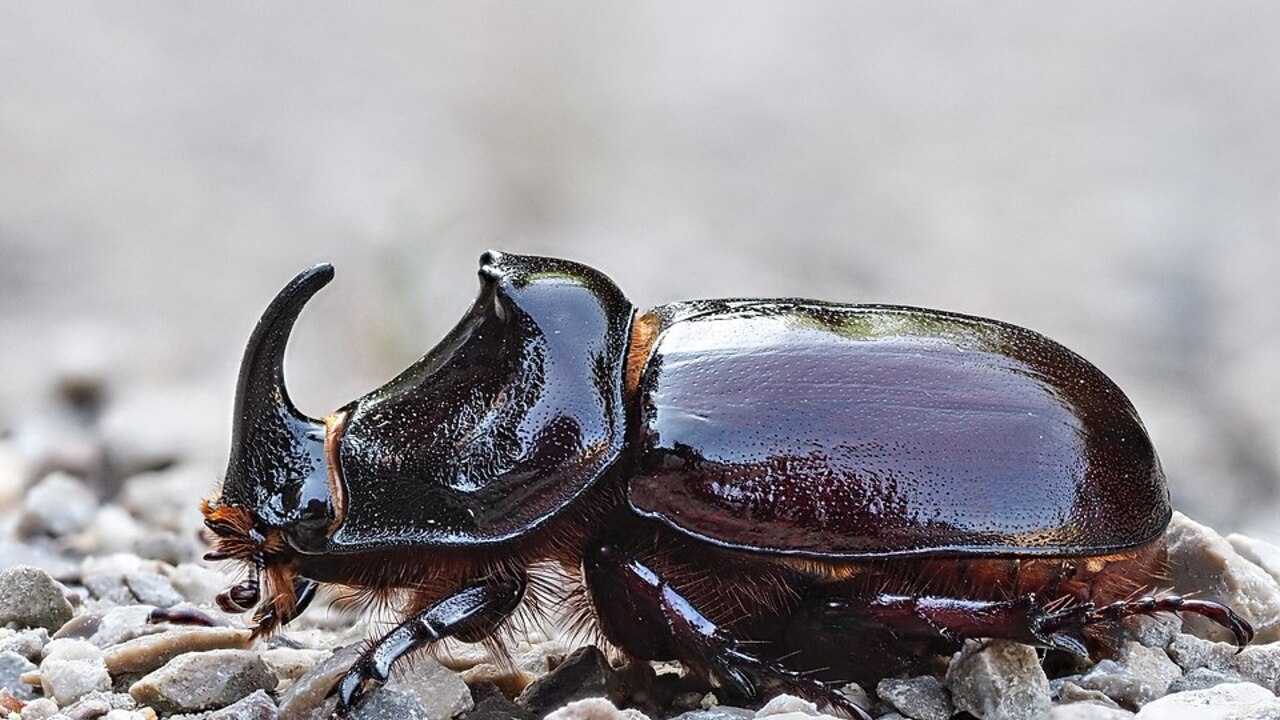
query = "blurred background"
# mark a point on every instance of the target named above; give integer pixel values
(1106, 173)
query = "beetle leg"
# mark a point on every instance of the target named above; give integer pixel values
(475, 608)
(632, 603)
(954, 619)
(304, 591)
(1077, 618)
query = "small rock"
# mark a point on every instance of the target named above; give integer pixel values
(718, 713)
(168, 546)
(1068, 691)
(151, 588)
(491, 704)
(257, 706)
(167, 495)
(1137, 675)
(790, 707)
(98, 704)
(27, 643)
(113, 530)
(511, 682)
(1087, 711)
(1201, 560)
(586, 673)
(921, 698)
(595, 709)
(12, 667)
(1202, 678)
(1257, 663)
(71, 669)
(57, 505)
(29, 597)
(1155, 631)
(40, 709)
(289, 664)
(422, 690)
(305, 699)
(198, 584)
(1233, 701)
(858, 696)
(203, 681)
(150, 652)
(38, 556)
(113, 626)
(1260, 553)
(998, 680)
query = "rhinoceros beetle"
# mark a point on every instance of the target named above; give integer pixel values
(776, 493)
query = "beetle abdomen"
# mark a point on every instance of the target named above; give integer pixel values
(800, 427)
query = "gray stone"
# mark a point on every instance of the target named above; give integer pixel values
(113, 530)
(167, 495)
(197, 583)
(492, 704)
(1137, 675)
(104, 576)
(29, 597)
(1201, 678)
(1201, 559)
(1257, 663)
(1086, 711)
(421, 690)
(1232, 701)
(1259, 552)
(111, 626)
(1067, 691)
(58, 505)
(790, 707)
(71, 669)
(97, 704)
(12, 666)
(40, 709)
(27, 643)
(151, 588)
(998, 680)
(36, 555)
(1155, 631)
(921, 698)
(203, 681)
(585, 673)
(289, 664)
(257, 706)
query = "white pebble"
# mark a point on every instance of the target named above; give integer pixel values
(71, 669)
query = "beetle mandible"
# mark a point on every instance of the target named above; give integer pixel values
(756, 488)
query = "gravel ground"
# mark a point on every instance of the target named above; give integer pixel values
(100, 552)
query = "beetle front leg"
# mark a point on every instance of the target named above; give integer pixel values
(477, 608)
(651, 620)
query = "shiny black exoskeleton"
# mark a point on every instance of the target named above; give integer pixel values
(760, 489)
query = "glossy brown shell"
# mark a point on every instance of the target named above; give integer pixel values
(502, 425)
(805, 428)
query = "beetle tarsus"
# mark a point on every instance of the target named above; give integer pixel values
(1077, 618)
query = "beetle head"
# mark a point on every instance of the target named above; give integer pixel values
(275, 499)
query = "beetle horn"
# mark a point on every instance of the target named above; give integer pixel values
(272, 443)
